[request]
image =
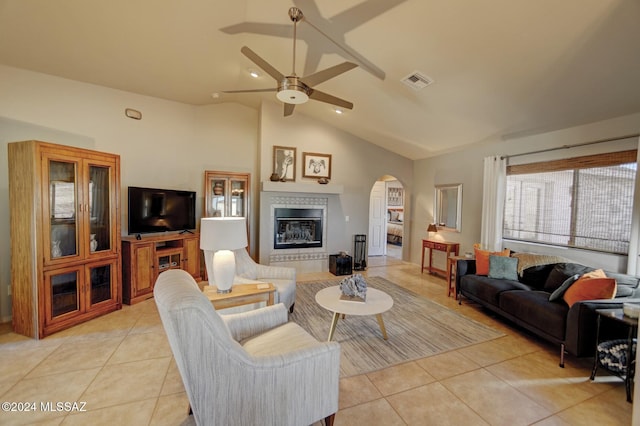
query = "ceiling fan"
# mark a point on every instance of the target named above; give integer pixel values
(293, 90)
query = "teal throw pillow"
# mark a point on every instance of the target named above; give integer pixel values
(559, 292)
(503, 268)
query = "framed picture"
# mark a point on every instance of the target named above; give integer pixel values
(284, 162)
(316, 165)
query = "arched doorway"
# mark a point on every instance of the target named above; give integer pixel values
(386, 221)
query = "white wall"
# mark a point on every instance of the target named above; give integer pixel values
(466, 167)
(356, 165)
(169, 148)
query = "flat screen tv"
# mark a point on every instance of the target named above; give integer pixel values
(161, 210)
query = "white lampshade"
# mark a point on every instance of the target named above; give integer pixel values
(218, 236)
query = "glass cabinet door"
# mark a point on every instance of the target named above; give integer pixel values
(227, 194)
(99, 208)
(100, 280)
(64, 293)
(63, 202)
(218, 194)
(238, 194)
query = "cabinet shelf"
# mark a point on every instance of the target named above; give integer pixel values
(166, 251)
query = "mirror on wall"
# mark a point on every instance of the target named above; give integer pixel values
(448, 207)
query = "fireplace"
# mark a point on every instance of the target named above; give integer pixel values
(297, 228)
(305, 217)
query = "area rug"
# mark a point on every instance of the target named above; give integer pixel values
(416, 327)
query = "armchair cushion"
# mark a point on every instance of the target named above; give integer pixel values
(288, 338)
(246, 324)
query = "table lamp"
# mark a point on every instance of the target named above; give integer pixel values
(431, 228)
(218, 237)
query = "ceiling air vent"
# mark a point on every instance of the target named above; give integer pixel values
(417, 80)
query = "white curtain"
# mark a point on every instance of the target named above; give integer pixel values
(633, 266)
(493, 196)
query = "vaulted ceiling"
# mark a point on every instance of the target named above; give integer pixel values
(500, 68)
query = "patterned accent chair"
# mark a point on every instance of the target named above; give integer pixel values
(284, 279)
(249, 368)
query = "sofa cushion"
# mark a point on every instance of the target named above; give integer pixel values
(482, 258)
(536, 276)
(627, 285)
(528, 260)
(488, 289)
(587, 288)
(623, 290)
(503, 268)
(559, 292)
(534, 308)
(560, 273)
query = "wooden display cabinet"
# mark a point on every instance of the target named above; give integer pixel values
(227, 194)
(145, 258)
(65, 236)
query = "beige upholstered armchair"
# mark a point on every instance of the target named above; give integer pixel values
(252, 368)
(284, 279)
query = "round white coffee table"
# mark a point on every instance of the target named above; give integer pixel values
(377, 302)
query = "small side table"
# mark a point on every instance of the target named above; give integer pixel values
(443, 246)
(241, 294)
(612, 349)
(452, 270)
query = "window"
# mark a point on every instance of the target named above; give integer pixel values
(583, 202)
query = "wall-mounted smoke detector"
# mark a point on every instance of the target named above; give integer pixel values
(417, 80)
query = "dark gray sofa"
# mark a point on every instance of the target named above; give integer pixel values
(526, 303)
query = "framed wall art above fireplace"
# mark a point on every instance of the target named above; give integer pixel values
(284, 162)
(316, 165)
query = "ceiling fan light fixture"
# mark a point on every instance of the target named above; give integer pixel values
(292, 96)
(292, 91)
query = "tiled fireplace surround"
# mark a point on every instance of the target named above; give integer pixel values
(309, 259)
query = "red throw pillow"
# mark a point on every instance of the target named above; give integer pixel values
(482, 258)
(587, 288)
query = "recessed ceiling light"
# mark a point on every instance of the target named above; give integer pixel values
(338, 111)
(253, 73)
(215, 95)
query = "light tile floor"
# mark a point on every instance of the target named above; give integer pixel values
(121, 366)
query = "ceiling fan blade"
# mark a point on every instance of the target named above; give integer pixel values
(276, 30)
(249, 90)
(330, 99)
(326, 74)
(288, 109)
(277, 75)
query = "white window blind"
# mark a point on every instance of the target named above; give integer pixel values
(583, 202)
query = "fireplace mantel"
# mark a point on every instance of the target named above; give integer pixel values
(310, 188)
